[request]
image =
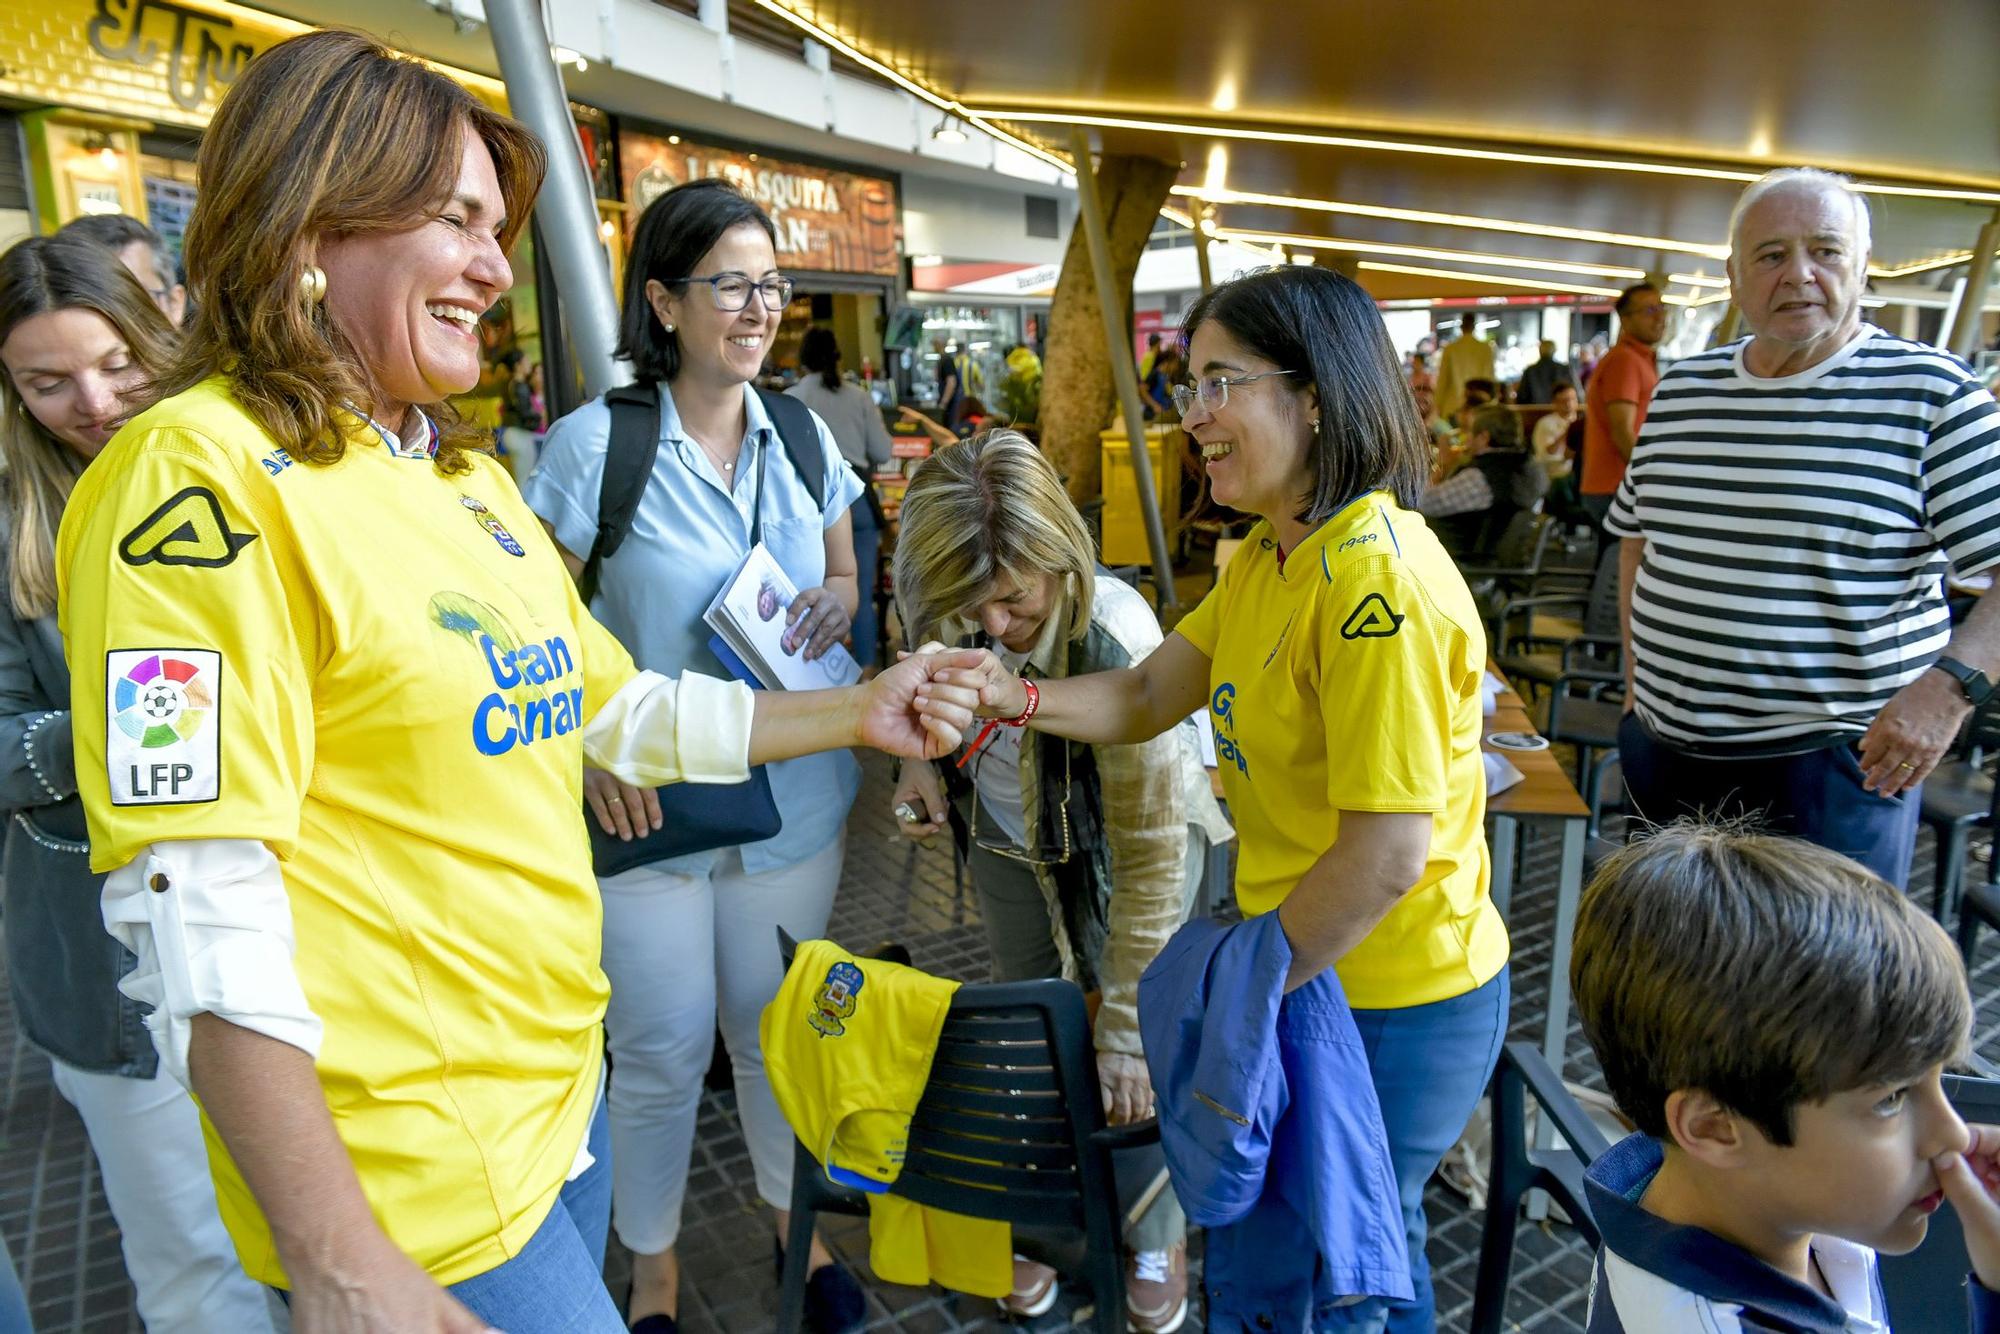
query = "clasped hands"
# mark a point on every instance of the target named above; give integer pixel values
(922, 707)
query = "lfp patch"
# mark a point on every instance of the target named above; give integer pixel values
(162, 726)
(835, 1000)
(491, 523)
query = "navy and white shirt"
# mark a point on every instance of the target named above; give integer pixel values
(1797, 532)
(1656, 1277)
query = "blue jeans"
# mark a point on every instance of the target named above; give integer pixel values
(556, 1284)
(1816, 796)
(1431, 1064)
(867, 565)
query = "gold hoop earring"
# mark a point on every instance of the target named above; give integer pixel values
(312, 284)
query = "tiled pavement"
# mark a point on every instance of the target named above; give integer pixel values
(55, 1221)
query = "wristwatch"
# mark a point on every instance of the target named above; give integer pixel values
(1970, 679)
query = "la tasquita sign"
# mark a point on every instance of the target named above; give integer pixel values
(828, 220)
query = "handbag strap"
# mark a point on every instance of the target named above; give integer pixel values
(635, 443)
(794, 423)
(628, 462)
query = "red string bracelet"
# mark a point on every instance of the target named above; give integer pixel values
(1034, 703)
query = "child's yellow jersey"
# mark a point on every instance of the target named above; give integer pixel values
(1348, 679)
(382, 673)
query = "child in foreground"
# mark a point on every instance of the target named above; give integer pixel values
(1775, 1020)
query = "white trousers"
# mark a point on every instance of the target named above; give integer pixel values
(147, 1138)
(684, 952)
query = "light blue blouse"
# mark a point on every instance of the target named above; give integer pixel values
(690, 534)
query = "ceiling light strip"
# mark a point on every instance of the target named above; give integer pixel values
(1453, 220)
(1423, 252)
(912, 87)
(1468, 256)
(1503, 280)
(1456, 151)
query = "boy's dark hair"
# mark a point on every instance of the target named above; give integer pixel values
(1764, 971)
(674, 232)
(1328, 332)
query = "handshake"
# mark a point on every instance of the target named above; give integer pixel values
(922, 707)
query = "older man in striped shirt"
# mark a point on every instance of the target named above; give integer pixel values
(1792, 507)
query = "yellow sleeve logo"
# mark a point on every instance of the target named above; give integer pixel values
(187, 530)
(1373, 619)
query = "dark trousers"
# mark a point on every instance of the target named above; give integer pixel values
(1816, 796)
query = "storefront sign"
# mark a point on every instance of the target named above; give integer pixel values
(829, 221)
(167, 61)
(986, 279)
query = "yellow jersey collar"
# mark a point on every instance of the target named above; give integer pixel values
(1342, 524)
(419, 438)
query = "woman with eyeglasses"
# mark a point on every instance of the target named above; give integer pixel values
(1340, 656)
(691, 939)
(1085, 857)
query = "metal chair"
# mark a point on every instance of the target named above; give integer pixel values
(1540, 659)
(1009, 1128)
(1959, 797)
(1519, 1168)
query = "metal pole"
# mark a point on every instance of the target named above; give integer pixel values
(567, 208)
(1123, 373)
(1197, 216)
(1963, 336)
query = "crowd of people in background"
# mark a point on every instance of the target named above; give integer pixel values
(464, 794)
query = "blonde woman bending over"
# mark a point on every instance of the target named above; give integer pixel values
(1085, 857)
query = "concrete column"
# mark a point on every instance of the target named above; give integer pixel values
(1123, 373)
(567, 208)
(1962, 332)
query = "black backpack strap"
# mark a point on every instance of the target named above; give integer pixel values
(794, 421)
(628, 462)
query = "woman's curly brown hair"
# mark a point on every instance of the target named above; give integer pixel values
(328, 134)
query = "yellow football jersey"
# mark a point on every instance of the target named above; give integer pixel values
(1348, 679)
(848, 1045)
(383, 673)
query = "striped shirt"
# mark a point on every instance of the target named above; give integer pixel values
(1797, 532)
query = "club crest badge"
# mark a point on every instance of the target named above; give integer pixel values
(835, 1000)
(491, 523)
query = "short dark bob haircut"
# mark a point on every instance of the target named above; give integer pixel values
(1326, 330)
(675, 231)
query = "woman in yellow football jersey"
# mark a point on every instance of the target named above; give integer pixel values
(332, 693)
(1340, 656)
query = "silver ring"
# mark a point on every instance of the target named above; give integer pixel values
(616, 801)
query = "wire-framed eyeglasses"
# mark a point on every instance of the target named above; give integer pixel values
(1002, 846)
(731, 291)
(1213, 390)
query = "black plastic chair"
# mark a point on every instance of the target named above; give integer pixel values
(1926, 1288)
(1010, 1128)
(1539, 660)
(1958, 798)
(1519, 1168)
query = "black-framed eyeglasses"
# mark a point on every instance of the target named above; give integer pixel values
(1213, 390)
(731, 291)
(1044, 855)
